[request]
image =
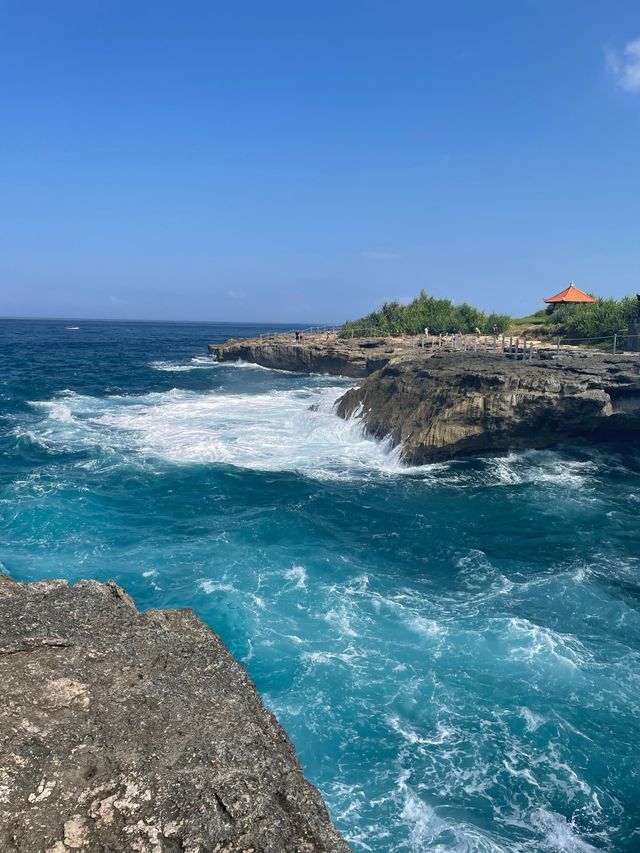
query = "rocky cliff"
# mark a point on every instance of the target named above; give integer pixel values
(452, 404)
(315, 354)
(128, 731)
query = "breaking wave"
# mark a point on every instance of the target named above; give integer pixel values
(294, 430)
(290, 429)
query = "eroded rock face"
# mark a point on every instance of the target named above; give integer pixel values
(356, 358)
(453, 404)
(128, 731)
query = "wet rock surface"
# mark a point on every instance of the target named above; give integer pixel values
(453, 404)
(129, 731)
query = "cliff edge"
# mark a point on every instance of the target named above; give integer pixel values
(455, 404)
(129, 731)
(317, 353)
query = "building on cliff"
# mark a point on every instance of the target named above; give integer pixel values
(570, 294)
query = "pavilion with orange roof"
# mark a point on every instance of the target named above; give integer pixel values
(571, 294)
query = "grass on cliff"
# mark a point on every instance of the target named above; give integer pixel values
(440, 316)
(583, 320)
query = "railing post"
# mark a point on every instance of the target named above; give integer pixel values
(558, 349)
(615, 343)
(510, 344)
(503, 343)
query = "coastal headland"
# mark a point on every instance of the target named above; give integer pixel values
(319, 353)
(123, 730)
(450, 398)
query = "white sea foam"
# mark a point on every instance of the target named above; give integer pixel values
(298, 574)
(559, 835)
(528, 641)
(209, 586)
(275, 431)
(428, 831)
(405, 731)
(539, 466)
(196, 363)
(532, 720)
(278, 430)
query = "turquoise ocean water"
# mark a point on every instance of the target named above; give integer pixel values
(454, 649)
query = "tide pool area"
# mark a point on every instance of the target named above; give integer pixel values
(454, 649)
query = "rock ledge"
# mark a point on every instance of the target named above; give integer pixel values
(455, 404)
(129, 731)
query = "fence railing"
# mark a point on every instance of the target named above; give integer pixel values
(617, 340)
(310, 330)
(510, 346)
(524, 349)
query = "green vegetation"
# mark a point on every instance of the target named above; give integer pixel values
(440, 316)
(582, 320)
(540, 318)
(591, 320)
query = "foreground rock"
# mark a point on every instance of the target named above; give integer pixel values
(122, 731)
(315, 353)
(453, 404)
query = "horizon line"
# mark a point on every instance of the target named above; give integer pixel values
(194, 322)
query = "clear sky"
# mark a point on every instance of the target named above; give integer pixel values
(306, 160)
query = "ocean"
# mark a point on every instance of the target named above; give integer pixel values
(453, 649)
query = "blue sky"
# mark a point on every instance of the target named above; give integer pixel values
(289, 161)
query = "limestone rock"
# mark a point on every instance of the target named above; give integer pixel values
(129, 731)
(355, 358)
(452, 404)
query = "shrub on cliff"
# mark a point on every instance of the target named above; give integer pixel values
(592, 320)
(440, 316)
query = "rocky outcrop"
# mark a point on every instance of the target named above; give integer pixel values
(129, 731)
(453, 404)
(356, 358)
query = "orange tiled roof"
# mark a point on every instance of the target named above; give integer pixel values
(571, 294)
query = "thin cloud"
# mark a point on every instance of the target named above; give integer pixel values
(625, 66)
